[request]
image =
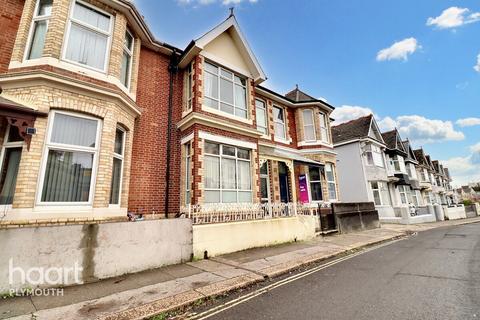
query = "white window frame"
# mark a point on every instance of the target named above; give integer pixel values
(220, 156)
(65, 147)
(35, 19)
(188, 176)
(376, 155)
(120, 157)
(309, 183)
(189, 87)
(311, 125)
(402, 190)
(265, 125)
(109, 35)
(324, 135)
(7, 145)
(330, 165)
(234, 84)
(129, 52)
(265, 176)
(379, 189)
(284, 123)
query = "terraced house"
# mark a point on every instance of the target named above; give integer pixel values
(98, 118)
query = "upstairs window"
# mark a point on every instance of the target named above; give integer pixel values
(127, 59)
(189, 80)
(308, 125)
(324, 128)
(261, 112)
(279, 120)
(398, 163)
(43, 11)
(88, 36)
(225, 91)
(374, 156)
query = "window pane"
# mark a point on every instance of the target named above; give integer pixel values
(210, 103)
(316, 191)
(44, 8)
(211, 85)
(243, 154)
(211, 68)
(226, 74)
(264, 168)
(229, 196)
(279, 130)
(86, 47)
(74, 130)
(278, 114)
(261, 120)
(118, 149)
(116, 181)
(244, 197)
(244, 176)
(332, 192)
(376, 198)
(264, 188)
(314, 173)
(212, 172)
(228, 174)
(68, 176)
(229, 151)
(226, 91)
(128, 42)
(309, 133)
(242, 113)
(91, 16)
(227, 108)
(212, 196)
(212, 148)
(125, 72)
(8, 174)
(38, 39)
(329, 172)
(240, 97)
(240, 80)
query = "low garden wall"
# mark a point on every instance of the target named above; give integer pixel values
(454, 213)
(90, 251)
(221, 238)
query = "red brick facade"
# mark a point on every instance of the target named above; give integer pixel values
(149, 154)
(10, 14)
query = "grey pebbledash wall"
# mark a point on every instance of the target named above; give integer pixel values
(99, 250)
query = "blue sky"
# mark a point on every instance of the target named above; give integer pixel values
(423, 82)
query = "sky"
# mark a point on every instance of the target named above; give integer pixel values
(414, 64)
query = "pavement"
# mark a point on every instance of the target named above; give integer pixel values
(142, 295)
(434, 274)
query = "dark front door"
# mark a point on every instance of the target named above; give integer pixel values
(283, 180)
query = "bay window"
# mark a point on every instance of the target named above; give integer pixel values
(225, 91)
(315, 178)
(261, 112)
(381, 194)
(71, 153)
(398, 163)
(88, 37)
(308, 125)
(403, 194)
(227, 173)
(9, 163)
(117, 169)
(125, 73)
(330, 175)
(324, 128)
(279, 120)
(41, 16)
(374, 156)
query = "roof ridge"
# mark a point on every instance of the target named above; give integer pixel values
(357, 119)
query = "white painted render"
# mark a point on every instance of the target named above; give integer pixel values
(351, 176)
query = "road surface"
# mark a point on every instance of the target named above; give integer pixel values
(433, 275)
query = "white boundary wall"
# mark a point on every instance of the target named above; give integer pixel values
(102, 250)
(222, 238)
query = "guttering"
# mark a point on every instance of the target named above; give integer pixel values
(282, 99)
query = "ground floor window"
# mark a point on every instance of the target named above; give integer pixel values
(227, 174)
(117, 169)
(403, 194)
(71, 152)
(381, 195)
(10, 155)
(330, 175)
(264, 183)
(315, 177)
(188, 169)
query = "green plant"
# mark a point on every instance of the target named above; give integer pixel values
(467, 202)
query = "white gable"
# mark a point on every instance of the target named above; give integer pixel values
(374, 132)
(224, 51)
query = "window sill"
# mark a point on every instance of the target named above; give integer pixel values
(226, 115)
(282, 140)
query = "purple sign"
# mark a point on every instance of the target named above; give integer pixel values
(303, 186)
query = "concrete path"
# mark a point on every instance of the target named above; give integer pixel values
(148, 293)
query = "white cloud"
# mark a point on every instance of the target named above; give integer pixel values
(465, 169)
(453, 17)
(477, 66)
(399, 50)
(422, 130)
(346, 113)
(475, 148)
(387, 124)
(468, 122)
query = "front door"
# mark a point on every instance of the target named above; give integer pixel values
(283, 181)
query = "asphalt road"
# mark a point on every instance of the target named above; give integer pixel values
(433, 275)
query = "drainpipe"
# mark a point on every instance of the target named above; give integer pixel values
(172, 70)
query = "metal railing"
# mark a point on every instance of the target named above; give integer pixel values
(234, 212)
